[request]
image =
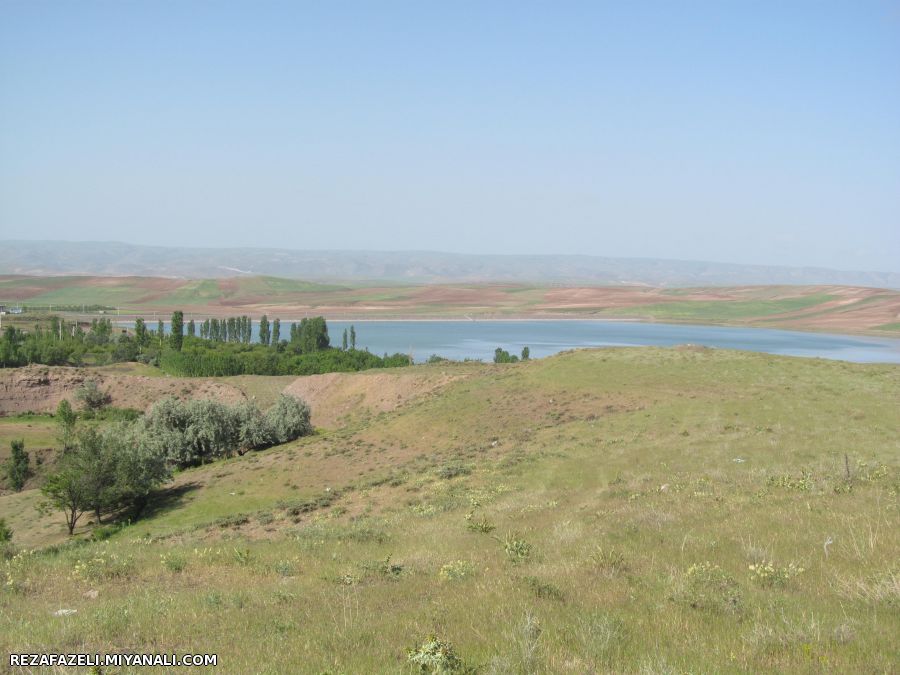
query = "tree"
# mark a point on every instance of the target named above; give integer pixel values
(91, 396)
(141, 464)
(18, 468)
(276, 331)
(65, 421)
(160, 332)
(526, 353)
(191, 328)
(344, 341)
(288, 419)
(264, 330)
(503, 356)
(141, 334)
(352, 337)
(96, 462)
(66, 489)
(176, 336)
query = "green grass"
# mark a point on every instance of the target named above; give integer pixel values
(640, 485)
(889, 326)
(725, 310)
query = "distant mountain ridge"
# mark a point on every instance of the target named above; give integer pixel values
(120, 259)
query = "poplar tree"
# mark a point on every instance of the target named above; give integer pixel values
(176, 338)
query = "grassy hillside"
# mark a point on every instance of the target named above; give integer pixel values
(837, 308)
(597, 511)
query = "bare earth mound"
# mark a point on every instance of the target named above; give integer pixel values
(41, 388)
(337, 397)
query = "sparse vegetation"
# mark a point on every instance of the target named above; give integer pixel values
(591, 534)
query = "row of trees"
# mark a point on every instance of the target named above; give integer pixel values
(200, 359)
(58, 342)
(232, 329)
(223, 346)
(115, 470)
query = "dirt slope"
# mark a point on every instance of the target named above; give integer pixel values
(336, 398)
(41, 388)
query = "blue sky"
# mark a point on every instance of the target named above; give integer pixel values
(747, 132)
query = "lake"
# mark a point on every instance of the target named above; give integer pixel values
(477, 339)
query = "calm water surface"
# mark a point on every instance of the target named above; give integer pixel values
(478, 339)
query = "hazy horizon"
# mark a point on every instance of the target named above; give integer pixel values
(213, 246)
(754, 135)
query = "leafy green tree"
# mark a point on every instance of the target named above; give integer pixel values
(503, 356)
(526, 353)
(126, 349)
(65, 422)
(160, 332)
(97, 464)
(352, 337)
(288, 419)
(264, 334)
(276, 331)
(344, 341)
(67, 489)
(176, 336)
(191, 328)
(141, 464)
(18, 466)
(141, 334)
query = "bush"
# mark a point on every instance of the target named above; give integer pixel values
(482, 525)
(288, 419)
(448, 471)
(517, 550)
(437, 657)
(456, 570)
(91, 396)
(5, 532)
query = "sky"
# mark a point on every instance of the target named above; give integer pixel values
(747, 132)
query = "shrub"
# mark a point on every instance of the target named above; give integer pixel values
(456, 570)
(288, 419)
(767, 574)
(5, 532)
(448, 471)
(285, 568)
(543, 589)
(482, 524)
(384, 568)
(91, 396)
(173, 561)
(517, 550)
(437, 657)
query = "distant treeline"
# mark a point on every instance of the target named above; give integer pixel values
(56, 342)
(214, 347)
